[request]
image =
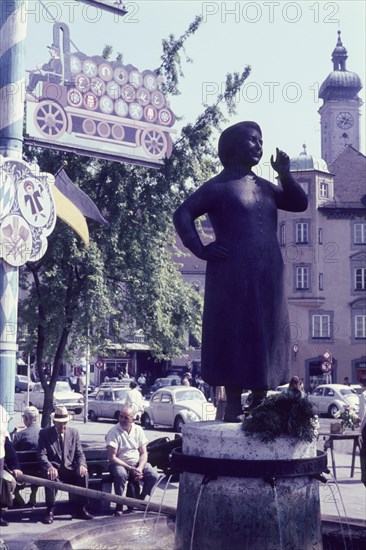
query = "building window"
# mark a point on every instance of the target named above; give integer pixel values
(321, 281)
(359, 233)
(360, 326)
(323, 189)
(302, 278)
(320, 235)
(302, 232)
(305, 185)
(360, 278)
(320, 326)
(282, 234)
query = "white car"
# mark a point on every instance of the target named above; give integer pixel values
(246, 396)
(331, 398)
(174, 406)
(108, 401)
(63, 396)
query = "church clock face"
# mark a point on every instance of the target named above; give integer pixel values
(344, 120)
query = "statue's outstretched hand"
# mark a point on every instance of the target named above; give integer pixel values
(215, 251)
(282, 162)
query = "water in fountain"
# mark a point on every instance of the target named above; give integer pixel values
(278, 513)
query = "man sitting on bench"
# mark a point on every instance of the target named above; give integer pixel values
(27, 440)
(127, 455)
(61, 457)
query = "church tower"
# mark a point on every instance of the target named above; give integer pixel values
(340, 112)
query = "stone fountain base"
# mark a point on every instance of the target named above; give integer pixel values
(264, 497)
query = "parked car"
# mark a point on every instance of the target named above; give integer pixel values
(331, 398)
(107, 402)
(72, 380)
(175, 406)
(21, 383)
(163, 382)
(358, 388)
(246, 396)
(63, 396)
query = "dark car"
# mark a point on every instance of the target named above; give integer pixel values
(162, 382)
(21, 383)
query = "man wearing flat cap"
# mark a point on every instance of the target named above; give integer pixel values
(48, 72)
(61, 458)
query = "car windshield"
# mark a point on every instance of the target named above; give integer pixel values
(62, 386)
(120, 394)
(189, 395)
(348, 392)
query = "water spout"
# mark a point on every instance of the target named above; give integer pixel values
(334, 480)
(273, 484)
(196, 510)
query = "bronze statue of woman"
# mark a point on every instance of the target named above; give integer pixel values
(245, 333)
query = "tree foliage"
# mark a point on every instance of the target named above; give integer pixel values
(127, 273)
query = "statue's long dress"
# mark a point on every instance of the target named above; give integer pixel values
(246, 336)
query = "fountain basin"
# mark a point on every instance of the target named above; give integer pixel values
(239, 492)
(114, 534)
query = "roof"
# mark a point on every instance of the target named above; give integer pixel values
(304, 162)
(349, 168)
(340, 83)
(128, 346)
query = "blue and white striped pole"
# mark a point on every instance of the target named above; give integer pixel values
(12, 87)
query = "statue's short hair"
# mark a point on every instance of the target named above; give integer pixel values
(226, 147)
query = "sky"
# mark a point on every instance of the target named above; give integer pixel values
(287, 44)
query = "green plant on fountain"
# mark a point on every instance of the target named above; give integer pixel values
(348, 417)
(283, 414)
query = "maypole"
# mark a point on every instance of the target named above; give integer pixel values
(13, 28)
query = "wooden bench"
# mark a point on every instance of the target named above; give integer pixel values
(100, 478)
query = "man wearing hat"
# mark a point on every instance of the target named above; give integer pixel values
(48, 72)
(61, 458)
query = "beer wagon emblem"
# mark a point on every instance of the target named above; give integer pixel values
(97, 107)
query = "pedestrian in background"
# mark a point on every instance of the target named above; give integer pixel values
(362, 438)
(135, 399)
(220, 402)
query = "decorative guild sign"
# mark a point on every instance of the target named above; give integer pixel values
(27, 211)
(96, 107)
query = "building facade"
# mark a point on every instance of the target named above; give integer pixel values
(324, 248)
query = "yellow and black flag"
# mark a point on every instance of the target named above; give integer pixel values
(73, 205)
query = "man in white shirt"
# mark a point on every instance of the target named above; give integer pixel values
(127, 455)
(135, 399)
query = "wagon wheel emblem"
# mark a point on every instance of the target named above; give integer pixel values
(50, 119)
(154, 143)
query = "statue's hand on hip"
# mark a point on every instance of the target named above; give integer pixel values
(215, 252)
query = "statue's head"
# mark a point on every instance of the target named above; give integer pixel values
(241, 145)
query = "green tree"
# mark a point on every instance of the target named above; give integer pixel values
(127, 273)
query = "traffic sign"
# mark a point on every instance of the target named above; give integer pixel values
(326, 366)
(328, 356)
